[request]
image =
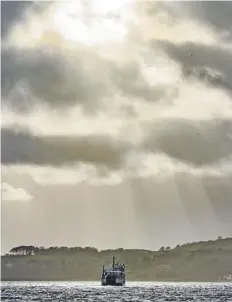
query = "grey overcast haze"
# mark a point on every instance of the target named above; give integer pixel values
(116, 123)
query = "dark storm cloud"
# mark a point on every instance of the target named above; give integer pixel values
(130, 81)
(23, 148)
(197, 143)
(50, 78)
(195, 59)
(194, 203)
(63, 81)
(12, 12)
(216, 14)
(59, 81)
(85, 78)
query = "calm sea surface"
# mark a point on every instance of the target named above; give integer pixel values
(133, 291)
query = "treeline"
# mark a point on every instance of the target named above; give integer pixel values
(34, 250)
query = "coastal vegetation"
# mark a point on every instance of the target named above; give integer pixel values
(197, 261)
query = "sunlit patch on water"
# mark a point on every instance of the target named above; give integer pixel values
(133, 291)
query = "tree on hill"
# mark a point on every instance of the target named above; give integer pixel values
(24, 250)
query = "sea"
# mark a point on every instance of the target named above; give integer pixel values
(133, 291)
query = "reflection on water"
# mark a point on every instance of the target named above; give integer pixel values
(133, 291)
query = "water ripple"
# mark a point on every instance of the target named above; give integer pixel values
(133, 292)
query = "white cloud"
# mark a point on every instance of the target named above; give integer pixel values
(101, 70)
(194, 102)
(125, 118)
(9, 193)
(136, 165)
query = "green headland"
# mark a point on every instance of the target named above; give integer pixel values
(197, 261)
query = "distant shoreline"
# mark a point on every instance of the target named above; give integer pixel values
(206, 261)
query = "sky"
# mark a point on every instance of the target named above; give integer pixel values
(116, 123)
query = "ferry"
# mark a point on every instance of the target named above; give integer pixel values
(114, 275)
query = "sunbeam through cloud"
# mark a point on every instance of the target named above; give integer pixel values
(107, 100)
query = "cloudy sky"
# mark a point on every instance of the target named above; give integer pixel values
(116, 123)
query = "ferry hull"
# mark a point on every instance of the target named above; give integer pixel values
(113, 281)
(112, 284)
(116, 284)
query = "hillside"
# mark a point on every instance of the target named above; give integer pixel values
(199, 261)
